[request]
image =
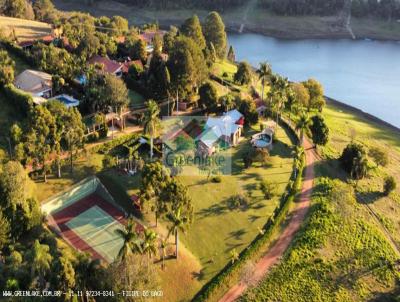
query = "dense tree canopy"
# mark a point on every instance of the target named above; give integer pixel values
(186, 65)
(208, 97)
(6, 68)
(214, 32)
(192, 28)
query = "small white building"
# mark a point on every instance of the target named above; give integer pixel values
(226, 129)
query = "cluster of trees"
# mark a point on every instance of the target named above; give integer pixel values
(168, 199)
(7, 66)
(49, 131)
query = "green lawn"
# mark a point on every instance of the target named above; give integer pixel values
(135, 99)
(343, 126)
(217, 229)
(339, 255)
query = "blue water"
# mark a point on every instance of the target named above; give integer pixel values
(364, 74)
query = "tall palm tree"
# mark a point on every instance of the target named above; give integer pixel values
(163, 247)
(178, 223)
(131, 240)
(149, 244)
(40, 261)
(302, 124)
(263, 72)
(298, 153)
(152, 123)
(282, 88)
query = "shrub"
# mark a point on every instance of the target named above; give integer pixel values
(216, 179)
(389, 185)
(379, 156)
(225, 74)
(238, 201)
(109, 161)
(93, 137)
(268, 188)
(247, 159)
(354, 160)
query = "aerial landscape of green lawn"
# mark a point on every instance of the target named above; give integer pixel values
(191, 150)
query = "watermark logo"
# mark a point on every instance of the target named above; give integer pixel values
(197, 145)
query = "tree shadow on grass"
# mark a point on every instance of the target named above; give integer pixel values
(368, 197)
(237, 234)
(214, 210)
(253, 218)
(200, 276)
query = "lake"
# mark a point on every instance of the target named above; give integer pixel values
(364, 74)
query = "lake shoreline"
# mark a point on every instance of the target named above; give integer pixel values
(287, 35)
(371, 118)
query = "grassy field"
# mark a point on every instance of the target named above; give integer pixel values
(347, 125)
(135, 99)
(340, 255)
(343, 253)
(236, 228)
(24, 29)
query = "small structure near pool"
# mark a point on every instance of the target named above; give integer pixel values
(263, 139)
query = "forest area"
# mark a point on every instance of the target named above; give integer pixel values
(384, 9)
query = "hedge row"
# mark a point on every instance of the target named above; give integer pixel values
(22, 100)
(230, 273)
(108, 146)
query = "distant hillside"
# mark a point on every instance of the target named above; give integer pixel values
(24, 29)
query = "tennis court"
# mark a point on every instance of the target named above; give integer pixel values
(86, 216)
(97, 228)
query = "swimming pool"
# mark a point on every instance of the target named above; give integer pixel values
(67, 100)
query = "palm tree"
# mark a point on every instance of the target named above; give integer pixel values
(302, 124)
(40, 260)
(263, 73)
(179, 222)
(152, 122)
(149, 244)
(131, 241)
(282, 88)
(163, 246)
(298, 153)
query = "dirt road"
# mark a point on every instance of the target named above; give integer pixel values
(298, 215)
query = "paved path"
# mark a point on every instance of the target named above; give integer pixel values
(298, 215)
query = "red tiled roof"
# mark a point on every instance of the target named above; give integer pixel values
(149, 35)
(110, 66)
(45, 39)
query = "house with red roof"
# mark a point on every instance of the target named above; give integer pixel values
(107, 65)
(27, 44)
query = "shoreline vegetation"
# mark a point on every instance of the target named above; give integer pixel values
(256, 20)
